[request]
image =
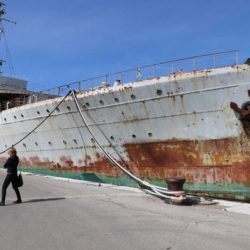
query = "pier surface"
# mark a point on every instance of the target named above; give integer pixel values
(58, 214)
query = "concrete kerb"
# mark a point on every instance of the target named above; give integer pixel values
(229, 206)
(82, 182)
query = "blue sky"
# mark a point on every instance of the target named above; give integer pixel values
(58, 41)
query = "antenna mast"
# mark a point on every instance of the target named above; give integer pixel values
(2, 19)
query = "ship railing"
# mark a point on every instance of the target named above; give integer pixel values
(15, 102)
(188, 64)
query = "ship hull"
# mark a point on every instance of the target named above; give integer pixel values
(179, 125)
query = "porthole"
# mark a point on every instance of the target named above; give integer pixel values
(87, 104)
(68, 108)
(36, 143)
(14, 116)
(150, 134)
(92, 140)
(5, 119)
(38, 112)
(47, 111)
(101, 102)
(159, 92)
(133, 97)
(112, 137)
(22, 115)
(75, 141)
(49, 142)
(5, 146)
(64, 142)
(116, 99)
(57, 109)
(24, 145)
(134, 136)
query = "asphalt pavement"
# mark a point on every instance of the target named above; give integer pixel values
(57, 214)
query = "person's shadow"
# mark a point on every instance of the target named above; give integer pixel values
(39, 200)
(44, 199)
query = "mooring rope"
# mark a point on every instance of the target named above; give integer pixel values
(37, 126)
(147, 187)
(151, 189)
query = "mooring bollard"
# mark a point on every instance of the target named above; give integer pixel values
(175, 183)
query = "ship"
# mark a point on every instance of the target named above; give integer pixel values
(187, 118)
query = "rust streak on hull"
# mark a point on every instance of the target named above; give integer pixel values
(219, 161)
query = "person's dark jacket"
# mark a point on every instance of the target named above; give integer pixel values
(11, 164)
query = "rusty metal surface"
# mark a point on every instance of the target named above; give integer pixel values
(178, 125)
(211, 161)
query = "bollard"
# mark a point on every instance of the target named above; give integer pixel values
(175, 183)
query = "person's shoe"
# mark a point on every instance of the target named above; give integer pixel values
(17, 201)
(2, 203)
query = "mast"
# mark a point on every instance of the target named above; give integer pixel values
(2, 20)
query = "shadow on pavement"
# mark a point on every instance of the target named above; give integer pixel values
(44, 199)
(39, 200)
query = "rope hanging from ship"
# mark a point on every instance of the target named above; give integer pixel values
(36, 127)
(147, 187)
(160, 192)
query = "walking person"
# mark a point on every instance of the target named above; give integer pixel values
(11, 166)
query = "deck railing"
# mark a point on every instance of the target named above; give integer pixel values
(207, 61)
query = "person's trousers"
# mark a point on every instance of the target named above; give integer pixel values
(10, 178)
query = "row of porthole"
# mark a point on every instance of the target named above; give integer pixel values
(75, 141)
(133, 136)
(133, 97)
(38, 112)
(50, 143)
(92, 139)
